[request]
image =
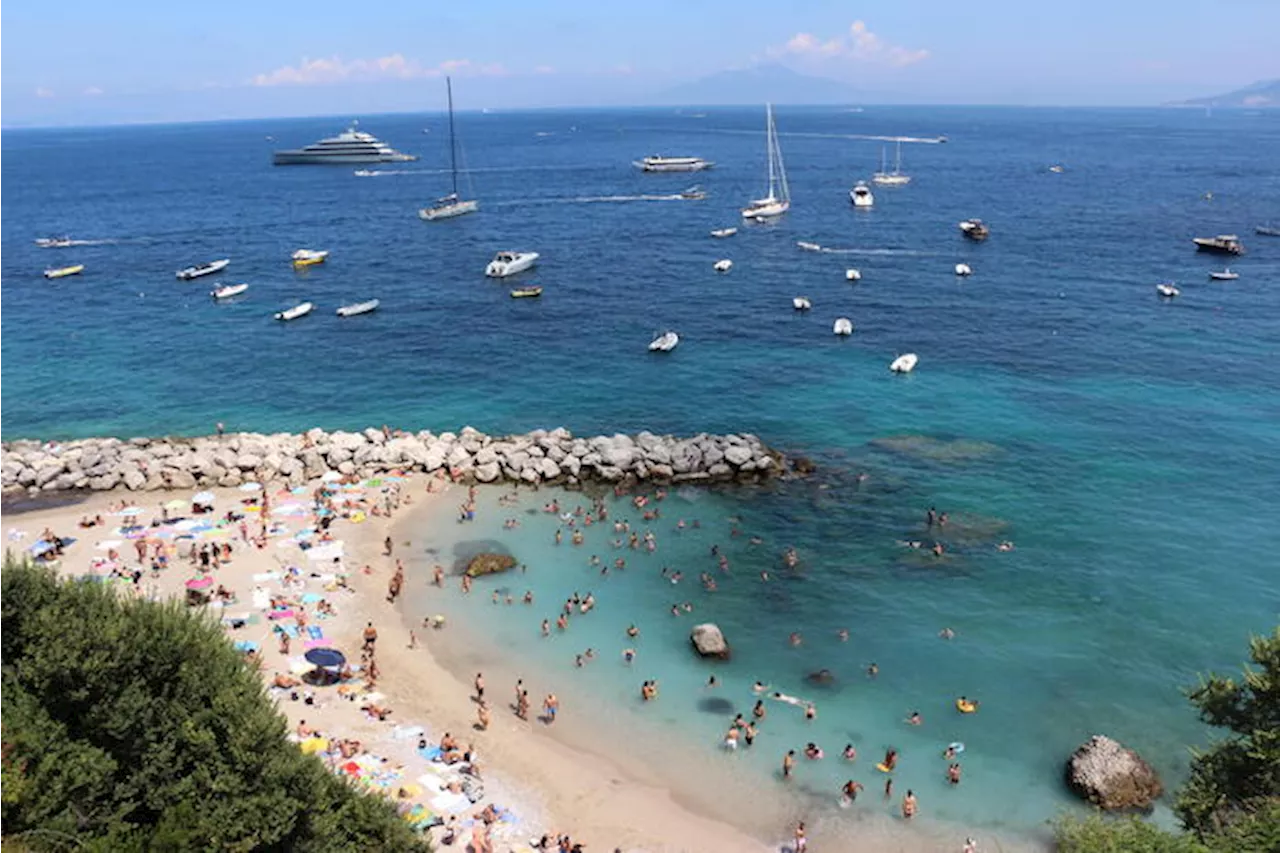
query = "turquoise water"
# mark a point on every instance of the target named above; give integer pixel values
(1129, 448)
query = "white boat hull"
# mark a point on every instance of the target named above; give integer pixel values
(724, 232)
(963, 269)
(1168, 291)
(852, 275)
(520, 263)
(904, 363)
(1224, 276)
(765, 209)
(723, 265)
(310, 255)
(200, 272)
(448, 211)
(861, 196)
(801, 303)
(891, 180)
(665, 343)
(229, 291)
(697, 166)
(296, 311)
(842, 327)
(358, 308)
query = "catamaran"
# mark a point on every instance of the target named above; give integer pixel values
(451, 205)
(894, 178)
(778, 201)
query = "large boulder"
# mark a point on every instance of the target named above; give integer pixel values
(488, 564)
(1112, 776)
(709, 642)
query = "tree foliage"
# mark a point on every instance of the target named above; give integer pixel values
(132, 725)
(1129, 834)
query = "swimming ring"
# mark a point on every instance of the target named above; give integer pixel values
(956, 747)
(966, 707)
(884, 768)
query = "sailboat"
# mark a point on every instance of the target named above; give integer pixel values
(894, 178)
(451, 205)
(778, 201)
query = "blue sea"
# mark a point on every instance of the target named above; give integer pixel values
(1128, 447)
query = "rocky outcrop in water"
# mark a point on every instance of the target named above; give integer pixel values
(542, 456)
(488, 564)
(1111, 776)
(708, 640)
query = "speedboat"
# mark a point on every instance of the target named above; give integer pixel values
(801, 303)
(63, 272)
(964, 269)
(350, 146)
(358, 308)
(365, 173)
(309, 257)
(723, 265)
(228, 290)
(724, 232)
(510, 263)
(1056, 169)
(54, 242)
(842, 327)
(904, 363)
(861, 196)
(808, 247)
(694, 193)
(300, 310)
(975, 229)
(778, 201)
(665, 342)
(1224, 275)
(203, 269)
(656, 163)
(1223, 244)
(1167, 289)
(852, 275)
(1267, 230)
(526, 292)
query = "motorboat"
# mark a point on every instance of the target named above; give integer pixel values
(778, 201)
(1224, 275)
(842, 327)
(694, 193)
(808, 247)
(852, 275)
(453, 204)
(63, 272)
(723, 265)
(1267, 230)
(861, 195)
(526, 292)
(1223, 244)
(657, 163)
(300, 310)
(665, 342)
(510, 263)
(54, 242)
(350, 146)
(904, 363)
(1167, 289)
(1056, 169)
(365, 173)
(801, 303)
(895, 178)
(228, 290)
(309, 257)
(203, 269)
(358, 308)
(975, 229)
(964, 269)
(724, 232)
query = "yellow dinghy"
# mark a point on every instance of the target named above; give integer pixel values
(309, 257)
(63, 272)
(526, 292)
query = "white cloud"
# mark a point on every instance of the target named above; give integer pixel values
(860, 45)
(311, 72)
(93, 91)
(42, 92)
(544, 69)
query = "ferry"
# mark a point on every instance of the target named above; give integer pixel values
(350, 146)
(656, 163)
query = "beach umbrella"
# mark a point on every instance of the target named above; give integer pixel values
(331, 476)
(41, 547)
(203, 498)
(200, 583)
(175, 504)
(326, 658)
(250, 487)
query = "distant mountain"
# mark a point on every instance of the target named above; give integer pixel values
(774, 83)
(1265, 93)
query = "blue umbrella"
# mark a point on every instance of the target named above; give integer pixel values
(326, 658)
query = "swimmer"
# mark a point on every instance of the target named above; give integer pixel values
(628, 655)
(812, 752)
(546, 628)
(915, 719)
(850, 754)
(1006, 545)
(788, 763)
(970, 846)
(633, 631)
(946, 633)
(810, 712)
(949, 753)
(938, 549)
(795, 639)
(731, 738)
(759, 687)
(712, 682)
(759, 710)
(909, 801)
(890, 759)
(953, 774)
(843, 635)
(873, 670)
(850, 790)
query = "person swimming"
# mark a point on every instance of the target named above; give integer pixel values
(812, 751)
(850, 754)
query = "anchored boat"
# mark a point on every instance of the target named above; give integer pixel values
(510, 263)
(665, 342)
(63, 272)
(526, 292)
(904, 363)
(778, 201)
(358, 308)
(228, 291)
(453, 204)
(203, 269)
(1223, 244)
(975, 230)
(295, 312)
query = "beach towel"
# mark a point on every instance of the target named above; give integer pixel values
(246, 646)
(431, 753)
(281, 614)
(291, 630)
(404, 732)
(315, 644)
(261, 598)
(311, 597)
(315, 632)
(450, 802)
(263, 577)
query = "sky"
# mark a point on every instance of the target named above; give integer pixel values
(95, 62)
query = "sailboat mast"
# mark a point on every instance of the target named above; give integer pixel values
(768, 143)
(453, 148)
(897, 165)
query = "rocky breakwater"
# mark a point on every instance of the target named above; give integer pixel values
(542, 456)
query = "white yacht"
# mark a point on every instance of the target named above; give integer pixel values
(453, 204)
(778, 201)
(656, 163)
(510, 263)
(1224, 275)
(350, 146)
(894, 178)
(300, 310)
(842, 327)
(861, 195)
(228, 290)
(904, 363)
(203, 269)
(665, 342)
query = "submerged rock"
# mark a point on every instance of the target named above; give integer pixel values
(1112, 776)
(488, 564)
(708, 640)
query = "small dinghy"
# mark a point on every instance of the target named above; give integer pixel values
(526, 292)
(309, 257)
(724, 232)
(358, 308)
(723, 265)
(665, 342)
(904, 363)
(203, 269)
(964, 269)
(63, 272)
(295, 312)
(229, 290)
(1224, 275)
(1167, 290)
(808, 247)
(694, 193)
(801, 303)
(852, 275)
(842, 327)
(975, 229)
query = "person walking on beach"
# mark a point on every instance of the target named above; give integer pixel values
(479, 682)
(801, 842)
(370, 637)
(788, 764)
(387, 546)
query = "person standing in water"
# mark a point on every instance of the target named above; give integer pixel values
(788, 764)
(850, 790)
(801, 842)
(909, 805)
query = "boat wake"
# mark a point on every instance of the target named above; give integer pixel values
(592, 199)
(832, 250)
(919, 140)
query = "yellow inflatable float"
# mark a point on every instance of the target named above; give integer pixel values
(966, 706)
